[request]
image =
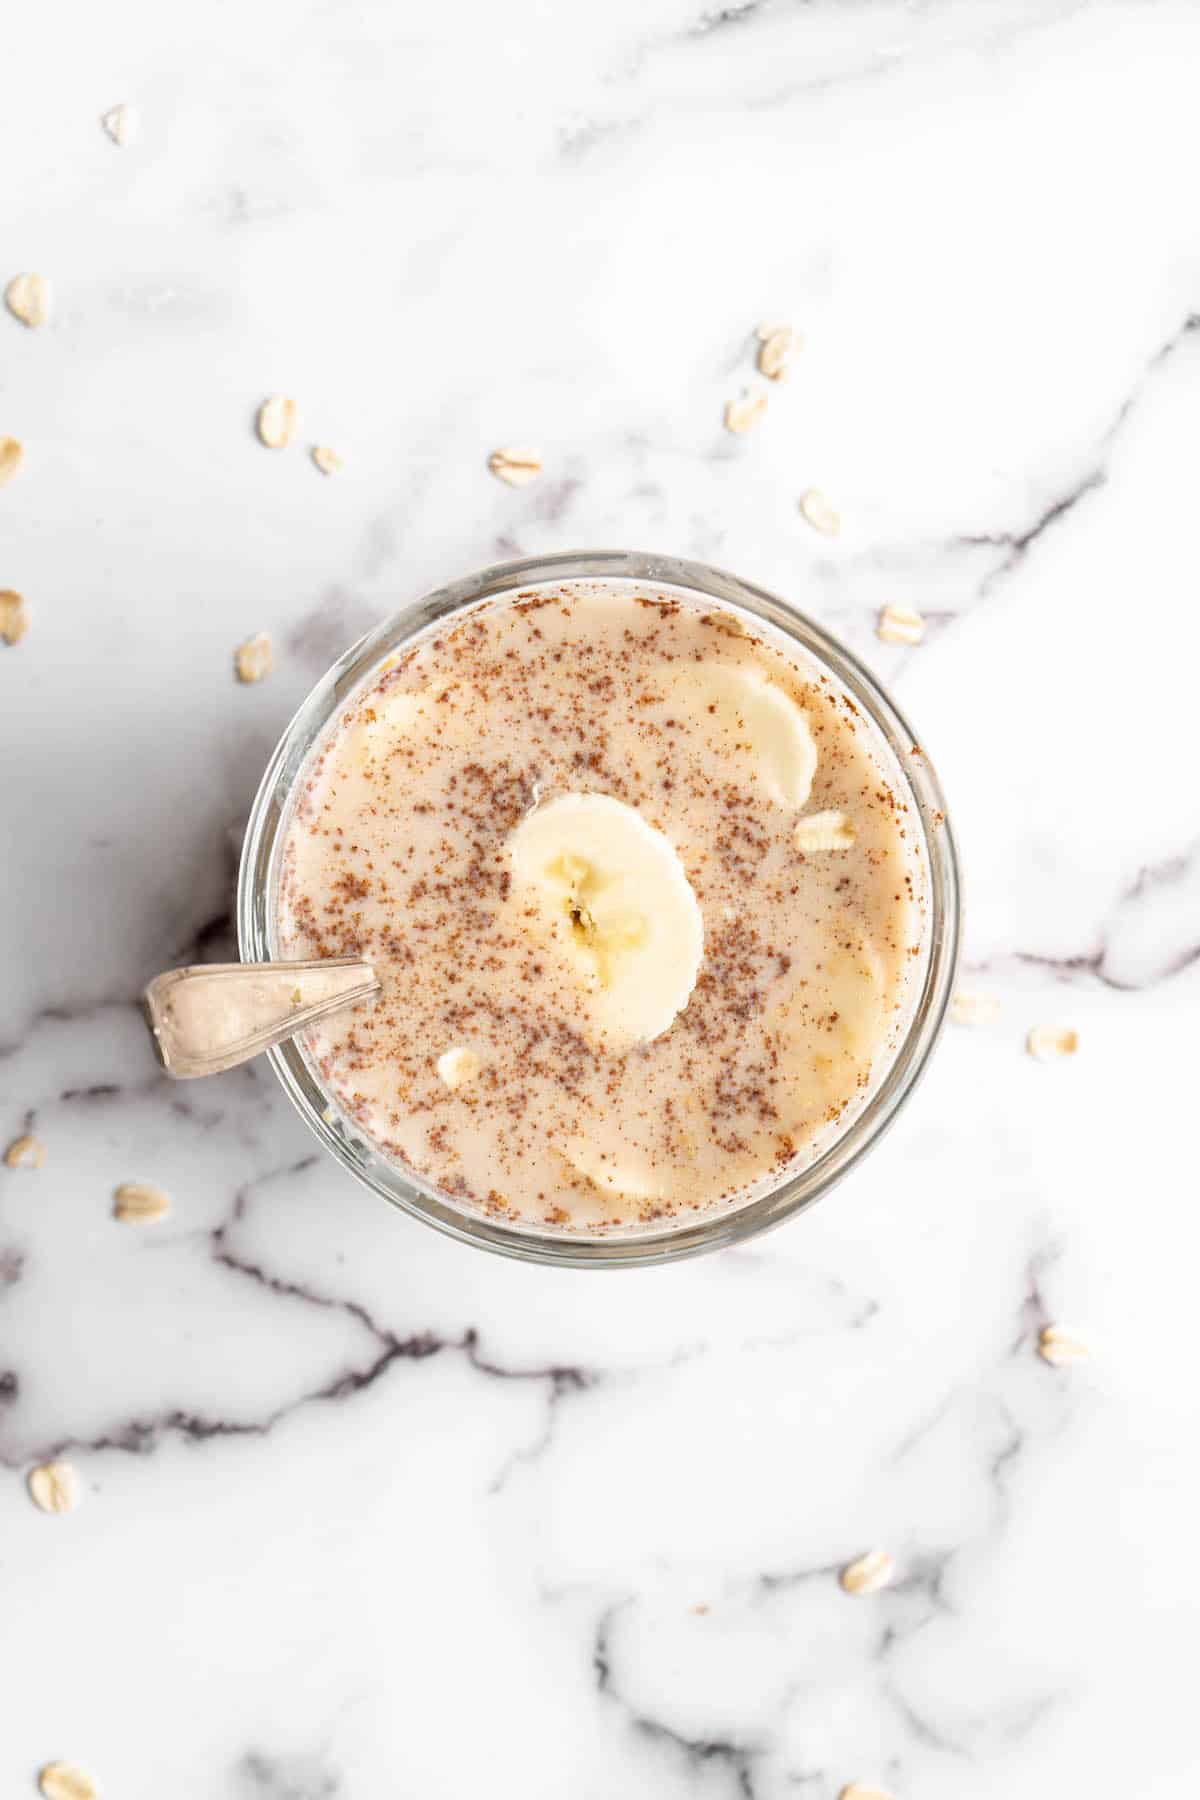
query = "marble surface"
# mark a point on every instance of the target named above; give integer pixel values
(364, 1512)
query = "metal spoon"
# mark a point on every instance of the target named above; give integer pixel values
(216, 1015)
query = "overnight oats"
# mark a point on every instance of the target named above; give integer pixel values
(648, 893)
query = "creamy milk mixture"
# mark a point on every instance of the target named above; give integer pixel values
(644, 893)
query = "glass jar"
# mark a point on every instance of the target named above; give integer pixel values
(659, 1242)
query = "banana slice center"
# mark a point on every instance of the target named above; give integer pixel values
(603, 931)
(620, 906)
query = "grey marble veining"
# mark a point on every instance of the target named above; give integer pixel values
(363, 1511)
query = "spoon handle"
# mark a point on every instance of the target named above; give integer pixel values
(216, 1015)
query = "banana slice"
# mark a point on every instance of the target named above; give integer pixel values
(621, 907)
(382, 724)
(830, 1024)
(628, 1178)
(747, 717)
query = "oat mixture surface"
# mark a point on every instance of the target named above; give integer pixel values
(481, 1065)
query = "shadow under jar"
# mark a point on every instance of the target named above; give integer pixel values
(545, 1074)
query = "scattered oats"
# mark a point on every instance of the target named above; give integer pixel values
(742, 414)
(137, 1203)
(819, 513)
(28, 299)
(967, 1008)
(12, 455)
(66, 1781)
(728, 624)
(458, 1066)
(327, 460)
(869, 1573)
(1046, 1042)
(277, 421)
(25, 1153)
(14, 616)
(253, 660)
(516, 467)
(862, 1790)
(900, 625)
(1058, 1345)
(778, 351)
(120, 122)
(823, 831)
(54, 1486)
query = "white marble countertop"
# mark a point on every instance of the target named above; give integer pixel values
(363, 1512)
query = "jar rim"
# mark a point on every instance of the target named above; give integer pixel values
(791, 1193)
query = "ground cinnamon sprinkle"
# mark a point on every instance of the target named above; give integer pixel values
(398, 850)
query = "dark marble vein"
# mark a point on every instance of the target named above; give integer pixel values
(780, 1581)
(1033, 1312)
(214, 939)
(341, 616)
(286, 1777)
(915, 1603)
(1016, 545)
(1006, 550)
(1097, 964)
(717, 17)
(738, 1758)
(921, 1728)
(1164, 353)
(553, 500)
(561, 1384)
(12, 1264)
(141, 1433)
(1003, 1727)
(65, 1015)
(920, 1596)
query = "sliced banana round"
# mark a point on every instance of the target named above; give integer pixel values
(626, 1175)
(620, 905)
(383, 725)
(747, 717)
(829, 1024)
